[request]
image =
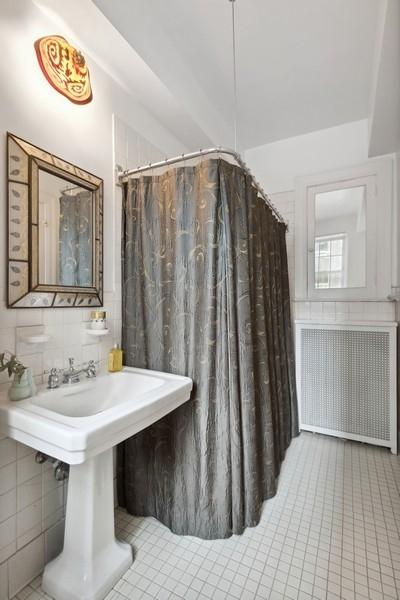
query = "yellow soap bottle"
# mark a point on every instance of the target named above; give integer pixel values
(115, 359)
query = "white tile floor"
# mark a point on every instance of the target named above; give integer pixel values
(331, 532)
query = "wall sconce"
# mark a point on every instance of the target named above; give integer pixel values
(64, 68)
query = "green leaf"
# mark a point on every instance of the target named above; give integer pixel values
(13, 365)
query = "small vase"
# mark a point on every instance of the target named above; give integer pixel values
(22, 389)
(31, 381)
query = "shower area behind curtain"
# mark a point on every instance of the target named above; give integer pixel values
(206, 294)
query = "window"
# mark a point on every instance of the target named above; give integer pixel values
(329, 261)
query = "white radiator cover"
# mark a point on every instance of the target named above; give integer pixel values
(346, 380)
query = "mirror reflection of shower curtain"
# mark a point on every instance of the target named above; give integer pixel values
(75, 240)
(206, 294)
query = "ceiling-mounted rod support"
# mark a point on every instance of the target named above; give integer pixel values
(124, 175)
(234, 75)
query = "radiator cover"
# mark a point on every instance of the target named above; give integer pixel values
(346, 378)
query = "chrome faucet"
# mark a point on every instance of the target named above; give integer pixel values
(71, 375)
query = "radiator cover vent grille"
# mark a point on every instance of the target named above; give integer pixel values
(345, 381)
(349, 372)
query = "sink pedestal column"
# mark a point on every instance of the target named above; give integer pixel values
(92, 559)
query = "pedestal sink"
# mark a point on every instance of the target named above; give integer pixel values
(79, 424)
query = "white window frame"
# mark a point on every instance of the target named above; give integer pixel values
(377, 177)
(329, 238)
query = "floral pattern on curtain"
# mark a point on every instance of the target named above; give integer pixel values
(206, 294)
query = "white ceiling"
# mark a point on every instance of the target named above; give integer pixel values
(302, 66)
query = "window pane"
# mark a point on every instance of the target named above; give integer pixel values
(335, 280)
(322, 280)
(337, 246)
(329, 265)
(336, 263)
(324, 248)
(324, 263)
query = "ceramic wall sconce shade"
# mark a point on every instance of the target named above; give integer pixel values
(64, 68)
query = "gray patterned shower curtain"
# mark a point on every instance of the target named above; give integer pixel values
(75, 239)
(206, 294)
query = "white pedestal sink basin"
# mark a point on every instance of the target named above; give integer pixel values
(79, 424)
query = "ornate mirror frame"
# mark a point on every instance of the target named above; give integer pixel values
(24, 290)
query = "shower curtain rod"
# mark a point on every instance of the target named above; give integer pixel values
(123, 175)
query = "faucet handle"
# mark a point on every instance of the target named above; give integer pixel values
(54, 380)
(91, 369)
(52, 371)
(90, 363)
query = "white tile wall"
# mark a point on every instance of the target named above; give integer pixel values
(326, 311)
(25, 565)
(32, 502)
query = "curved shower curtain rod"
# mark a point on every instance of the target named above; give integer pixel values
(124, 175)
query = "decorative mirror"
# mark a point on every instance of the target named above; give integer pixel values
(55, 230)
(343, 229)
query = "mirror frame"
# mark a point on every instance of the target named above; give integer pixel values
(24, 160)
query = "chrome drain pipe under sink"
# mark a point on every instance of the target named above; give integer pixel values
(61, 469)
